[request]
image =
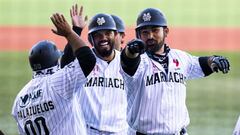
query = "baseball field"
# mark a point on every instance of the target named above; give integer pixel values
(203, 27)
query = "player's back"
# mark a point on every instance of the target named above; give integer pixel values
(39, 109)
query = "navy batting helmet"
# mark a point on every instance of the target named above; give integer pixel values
(151, 17)
(119, 23)
(44, 55)
(101, 22)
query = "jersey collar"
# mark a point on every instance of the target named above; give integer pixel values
(161, 57)
(45, 72)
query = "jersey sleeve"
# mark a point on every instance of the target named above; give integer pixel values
(193, 69)
(236, 130)
(132, 82)
(67, 80)
(14, 114)
(20, 130)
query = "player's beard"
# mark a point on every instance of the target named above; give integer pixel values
(104, 52)
(153, 45)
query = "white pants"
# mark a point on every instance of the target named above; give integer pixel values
(131, 131)
(91, 131)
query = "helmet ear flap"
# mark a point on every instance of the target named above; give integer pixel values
(90, 39)
(137, 33)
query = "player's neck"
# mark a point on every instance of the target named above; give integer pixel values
(160, 51)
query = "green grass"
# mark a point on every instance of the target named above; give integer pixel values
(212, 102)
(14, 74)
(179, 12)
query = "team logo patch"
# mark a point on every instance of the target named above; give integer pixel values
(96, 70)
(147, 17)
(176, 62)
(101, 21)
(25, 100)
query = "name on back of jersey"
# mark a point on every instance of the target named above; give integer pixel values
(31, 104)
(35, 109)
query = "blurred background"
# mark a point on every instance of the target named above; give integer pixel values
(201, 28)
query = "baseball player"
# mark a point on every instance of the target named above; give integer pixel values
(45, 104)
(104, 97)
(236, 130)
(156, 80)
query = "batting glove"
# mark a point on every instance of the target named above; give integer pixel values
(220, 63)
(136, 46)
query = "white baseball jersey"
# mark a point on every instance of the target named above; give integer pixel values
(45, 104)
(236, 130)
(103, 99)
(156, 99)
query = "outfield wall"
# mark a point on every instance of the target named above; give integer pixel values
(190, 39)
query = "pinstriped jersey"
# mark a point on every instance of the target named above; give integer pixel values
(156, 98)
(104, 98)
(236, 130)
(45, 104)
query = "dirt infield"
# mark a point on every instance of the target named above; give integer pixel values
(190, 39)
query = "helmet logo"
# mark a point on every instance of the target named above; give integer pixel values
(101, 21)
(37, 66)
(146, 17)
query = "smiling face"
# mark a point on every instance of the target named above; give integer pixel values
(154, 37)
(104, 41)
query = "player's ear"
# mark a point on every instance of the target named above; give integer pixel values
(122, 34)
(115, 33)
(165, 31)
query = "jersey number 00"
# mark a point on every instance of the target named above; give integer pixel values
(40, 124)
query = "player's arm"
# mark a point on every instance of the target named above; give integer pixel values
(210, 64)
(78, 23)
(130, 56)
(68, 55)
(83, 53)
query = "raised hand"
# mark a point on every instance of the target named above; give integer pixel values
(62, 26)
(77, 16)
